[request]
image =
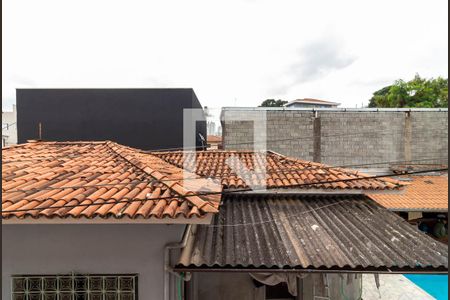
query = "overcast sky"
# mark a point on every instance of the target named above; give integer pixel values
(233, 52)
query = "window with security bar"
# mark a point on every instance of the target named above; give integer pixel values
(74, 287)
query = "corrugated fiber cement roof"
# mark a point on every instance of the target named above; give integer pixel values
(320, 233)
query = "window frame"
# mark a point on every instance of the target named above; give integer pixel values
(72, 291)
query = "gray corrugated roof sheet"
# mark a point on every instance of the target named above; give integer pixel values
(316, 232)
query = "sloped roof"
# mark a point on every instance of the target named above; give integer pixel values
(105, 180)
(424, 193)
(347, 233)
(312, 101)
(97, 180)
(214, 139)
(281, 171)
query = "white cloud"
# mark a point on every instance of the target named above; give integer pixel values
(246, 50)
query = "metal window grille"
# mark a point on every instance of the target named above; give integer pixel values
(74, 287)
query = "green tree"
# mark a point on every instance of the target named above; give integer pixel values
(418, 92)
(273, 103)
(379, 97)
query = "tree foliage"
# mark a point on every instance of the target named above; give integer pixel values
(273, 103)
(419, 92)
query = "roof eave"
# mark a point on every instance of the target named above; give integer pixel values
(206, 219)
(428, 210)
(314, 191)
(426, 270)
(312, 103)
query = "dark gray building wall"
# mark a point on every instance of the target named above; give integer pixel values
(89, 249)
(339, 137)
(142, 118)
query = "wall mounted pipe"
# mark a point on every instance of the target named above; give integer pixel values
(167, 267)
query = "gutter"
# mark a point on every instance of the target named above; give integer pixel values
(168, 269)
(318, 191)
(441, 270)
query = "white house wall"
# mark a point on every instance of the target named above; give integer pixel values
(94, 249)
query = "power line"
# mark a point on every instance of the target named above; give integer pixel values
(390, 132)
(243, 143)
(322, 167)
(273, 220)
(218, 193)
(8, 125)
(152, 181)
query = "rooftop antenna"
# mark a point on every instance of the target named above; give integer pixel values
(203, 140)
(40, 131)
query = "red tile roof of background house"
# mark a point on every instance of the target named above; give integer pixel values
(281, 171)
(214, 139)
(424, 193)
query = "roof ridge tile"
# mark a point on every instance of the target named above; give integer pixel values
(164, 179)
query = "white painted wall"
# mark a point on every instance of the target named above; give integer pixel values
(56, 249)
(10, 131)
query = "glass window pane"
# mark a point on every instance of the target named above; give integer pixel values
(111, 296)
(37, 296)
(65, 284)
(19, 284)
(81, 283)
(95, 283)
(96, 296)
(126, 296)
(126, 283)
(66, 296)
(111, 284)
(50, 296)
(35, 284)
(18, 297)
(50, 284)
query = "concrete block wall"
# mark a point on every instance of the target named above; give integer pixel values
(429, 138)
(359, 138)
(289, 132)
(338, 137)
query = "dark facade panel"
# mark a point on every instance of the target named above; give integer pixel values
(147, 119)
(340, 233)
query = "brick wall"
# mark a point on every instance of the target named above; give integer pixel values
(344, 137)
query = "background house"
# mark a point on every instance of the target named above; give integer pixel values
(311, 103)
(424, 203)
(214, 142)
(143, 118)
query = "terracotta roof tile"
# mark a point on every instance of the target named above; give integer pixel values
(427, 193)
(107, 180)
(97, 179)
(214, 139)
(281, 171)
